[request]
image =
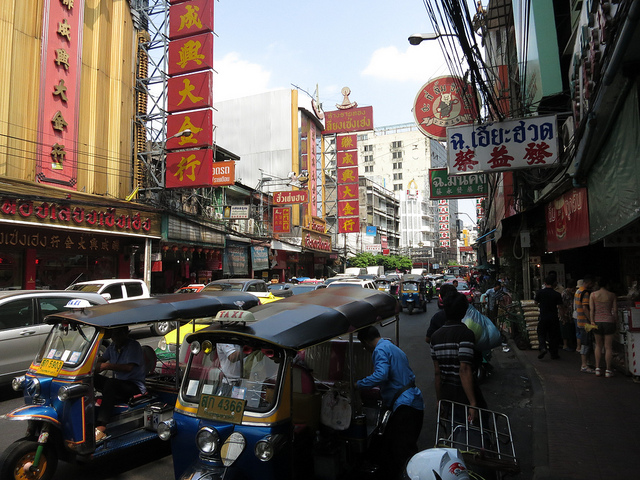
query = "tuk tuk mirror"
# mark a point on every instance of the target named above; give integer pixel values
(232, 448)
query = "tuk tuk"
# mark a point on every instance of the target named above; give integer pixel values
(60, 402)
(285, 406)
(413, 293)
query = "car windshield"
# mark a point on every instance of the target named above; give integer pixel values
(244, 372)
(462, 286)
(67, 342)
(217, 287)
(302, 289)
(91, 287)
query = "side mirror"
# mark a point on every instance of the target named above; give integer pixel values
(106, 296)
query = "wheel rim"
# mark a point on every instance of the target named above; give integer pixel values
(163, 327)
(20, 474)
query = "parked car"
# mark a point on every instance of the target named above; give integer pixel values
(254, 286)
(306, 287)
(192, 288)
(120, 289)
(339, 277)
(464, 288)
(354, 282)
(281, 289)
(22, 329)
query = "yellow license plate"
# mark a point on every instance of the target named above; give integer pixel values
(51, 367)
(221, 408)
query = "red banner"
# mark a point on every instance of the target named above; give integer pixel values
(191, 54)
(349, 225)
(189, 169)
(348, 208)
(223, 173)
(348, 175)
(199, 122)
(350, 120)
(348, 192)
(347, 142)
(190, 92)
(568, 221)
(190, 18)
(347, 159)
(297, 196)
(281, 219)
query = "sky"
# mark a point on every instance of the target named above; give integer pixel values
(262, 46)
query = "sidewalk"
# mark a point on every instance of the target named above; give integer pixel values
(584, 427)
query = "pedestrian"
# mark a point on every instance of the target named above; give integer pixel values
(452, 352)
(548, 321)
(603, 309)
(440, 317)
(392, 373)
(583, 315)
(567, 322)
(494, 297)
(125, 358)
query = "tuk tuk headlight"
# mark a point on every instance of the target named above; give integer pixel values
(207, 440)
(74, 390)
(166, 429)
(162, 344)
(266, 448)
(18, 383)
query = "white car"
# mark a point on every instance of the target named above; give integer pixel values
(354, 282)
(121, 289)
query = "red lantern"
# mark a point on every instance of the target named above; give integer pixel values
(199, 249)
(165, 248)
(185, 249)
(174, 248)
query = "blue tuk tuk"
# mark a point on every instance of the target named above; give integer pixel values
(60, 402)
(267, 394)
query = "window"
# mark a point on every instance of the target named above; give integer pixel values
(397, 165)
(368, 168)
(51, 305)
(397, 176)
(134, 289)
(363, 137)
(114, 290)
(368, 158)
(368, 148)
(396, 155)
(397, 187)
(397, 144)
(18, 313)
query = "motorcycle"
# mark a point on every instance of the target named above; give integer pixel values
(269, 393)
(60, 401)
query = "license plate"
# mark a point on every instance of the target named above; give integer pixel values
(221, 408)
(51, 367)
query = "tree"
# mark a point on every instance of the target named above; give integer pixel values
(362, 260)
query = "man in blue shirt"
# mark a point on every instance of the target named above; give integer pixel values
(392, 373)
(124, 357)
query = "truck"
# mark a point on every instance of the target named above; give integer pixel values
(377, 270)
(419, 271)
(355, 271)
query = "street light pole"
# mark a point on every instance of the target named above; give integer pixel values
(418, 38)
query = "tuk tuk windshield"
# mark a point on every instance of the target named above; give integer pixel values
(67, 342)
(243, 372)
(409, 287)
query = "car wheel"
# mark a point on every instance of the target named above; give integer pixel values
(162, 328)
(20, 454)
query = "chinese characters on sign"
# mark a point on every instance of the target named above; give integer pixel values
(189, 91)
(492, 147)
(443, 102)
(444, 185)
(444, 228)
(281, 219)
(347, 180)
(60, 77)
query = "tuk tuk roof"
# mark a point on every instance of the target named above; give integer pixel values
(412, 278)
(162, 308)
(300, 321)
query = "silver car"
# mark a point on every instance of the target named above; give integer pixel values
(22, 329)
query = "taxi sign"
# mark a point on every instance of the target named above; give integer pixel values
(235, 316)
(50, 366)
(78, 303)
(221, 408)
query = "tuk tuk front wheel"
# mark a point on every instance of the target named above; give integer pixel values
(410, 308)
(17, 459)
(162, 328)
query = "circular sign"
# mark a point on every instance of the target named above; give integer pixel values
(443, 102)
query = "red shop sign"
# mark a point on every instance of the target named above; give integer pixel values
(189, 169)
(200, 122)
(567, 219)
(190, 92)
(190, 18)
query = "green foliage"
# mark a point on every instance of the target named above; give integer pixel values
(362, 260)
(389, 262)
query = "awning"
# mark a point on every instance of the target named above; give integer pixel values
(278, 245)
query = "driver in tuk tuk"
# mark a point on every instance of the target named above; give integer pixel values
(125, 359)
(392, 373)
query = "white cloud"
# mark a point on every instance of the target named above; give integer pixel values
(239, 78)
(416, 63)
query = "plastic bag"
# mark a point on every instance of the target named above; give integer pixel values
(336, 410)
(486, 333)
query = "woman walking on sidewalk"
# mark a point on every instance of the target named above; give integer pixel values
(603, 306)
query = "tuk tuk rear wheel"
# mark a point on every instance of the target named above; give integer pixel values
(16, 459)
(410, 308)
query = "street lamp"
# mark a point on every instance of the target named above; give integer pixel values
(472, 220)
(418, 38)
(184, 133)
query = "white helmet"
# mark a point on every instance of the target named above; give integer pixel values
(437, 464)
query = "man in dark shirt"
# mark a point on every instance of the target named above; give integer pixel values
(440, 317)
(549, 334)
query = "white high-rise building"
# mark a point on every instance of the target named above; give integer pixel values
(398, 157)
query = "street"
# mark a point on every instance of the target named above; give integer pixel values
(508, 391)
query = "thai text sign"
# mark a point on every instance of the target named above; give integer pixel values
(284, 198)
(374, 248)
(567, 219)
(281, 219)
(260, 258)
(316, 241)
(351, 120)
(444, 185)
(492, 147)
(237, 212)
(443, 102)
(223, 173)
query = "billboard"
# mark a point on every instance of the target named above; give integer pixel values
(347, 121)
(443, 185)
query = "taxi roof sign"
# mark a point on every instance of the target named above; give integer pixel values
(235, 316)
(78, 304)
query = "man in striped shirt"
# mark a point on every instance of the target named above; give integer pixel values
(452, 354)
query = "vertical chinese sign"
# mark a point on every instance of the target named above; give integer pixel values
(281, 219)
(57, 161)
(309, 159)
(190, 94)
(444, 228)
(348, 198)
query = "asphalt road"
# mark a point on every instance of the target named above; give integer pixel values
(508, 390)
